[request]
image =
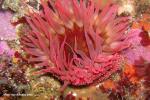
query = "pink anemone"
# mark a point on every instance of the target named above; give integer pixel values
(77, 41)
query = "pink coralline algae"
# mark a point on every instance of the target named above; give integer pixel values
(5, 49)
(7, 30)
(137, 53)
(79, 42)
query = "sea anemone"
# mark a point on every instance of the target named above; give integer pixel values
(79, 42)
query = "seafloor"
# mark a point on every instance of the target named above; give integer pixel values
(18, 77)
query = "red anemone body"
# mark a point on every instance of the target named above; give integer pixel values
(77, 41)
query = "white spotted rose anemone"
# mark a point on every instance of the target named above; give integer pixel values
(79, 42)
